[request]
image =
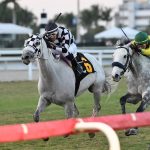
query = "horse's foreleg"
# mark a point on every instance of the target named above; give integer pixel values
(97, 105)
(134, 99)
(40, 108)
(96, 109)
(76, 110)
(70, 109)
(123, 101)
(144, 103)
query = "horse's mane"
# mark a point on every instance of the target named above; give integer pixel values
(54, 53)
(139, 62)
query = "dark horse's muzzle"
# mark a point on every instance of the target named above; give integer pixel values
(26, 57)
(116, 78)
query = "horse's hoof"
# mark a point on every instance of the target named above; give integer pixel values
(131, 131)
(91, 135)
(36, 118)
(66, 135)
(45, 139)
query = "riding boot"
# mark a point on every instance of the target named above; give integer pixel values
(75, 63)
(77, 66)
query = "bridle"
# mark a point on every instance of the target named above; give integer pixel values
(125, 66)
(30, 43)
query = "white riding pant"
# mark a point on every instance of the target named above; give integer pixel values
(73, 49)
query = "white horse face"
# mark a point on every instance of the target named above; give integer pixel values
(31, 49)
(120, 62)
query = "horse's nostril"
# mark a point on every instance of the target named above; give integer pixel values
(26, 57)
(116, 75)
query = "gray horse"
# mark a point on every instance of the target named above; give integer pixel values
(135, 67)
(57, 80)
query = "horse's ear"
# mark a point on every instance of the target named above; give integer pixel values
(40, 36)
(117, 43)
(25, 43)
(30, 34)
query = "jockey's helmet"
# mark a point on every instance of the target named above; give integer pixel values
(51, 30)
(51, 27)
(141, 38)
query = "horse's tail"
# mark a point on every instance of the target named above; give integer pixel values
(106, 87)
(109, 86)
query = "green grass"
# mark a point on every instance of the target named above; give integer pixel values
(18, 101)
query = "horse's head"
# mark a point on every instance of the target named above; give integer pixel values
(121, 61)
(31, 49)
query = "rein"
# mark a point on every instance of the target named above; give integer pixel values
(36, 49)
(126, 65)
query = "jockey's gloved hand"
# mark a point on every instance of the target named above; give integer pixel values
(52, 45)
(135, 48)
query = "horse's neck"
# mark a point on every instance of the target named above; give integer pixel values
(140, 62)
(45, 52)
(46, 62)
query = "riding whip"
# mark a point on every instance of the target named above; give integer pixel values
(133, 46)
(125, 34)
(57, 17)
(54, 21)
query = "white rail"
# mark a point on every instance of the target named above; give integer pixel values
(104, 56)
(13, 56)
(111, 135)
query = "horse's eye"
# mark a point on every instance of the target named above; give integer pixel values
(37, 43)
(125, 56)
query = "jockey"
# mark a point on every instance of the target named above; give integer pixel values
(61, 39)
(141, 43)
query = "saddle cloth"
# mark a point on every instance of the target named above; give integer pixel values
(87, 69)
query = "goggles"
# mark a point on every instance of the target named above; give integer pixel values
(51, 34)
(142, 46)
